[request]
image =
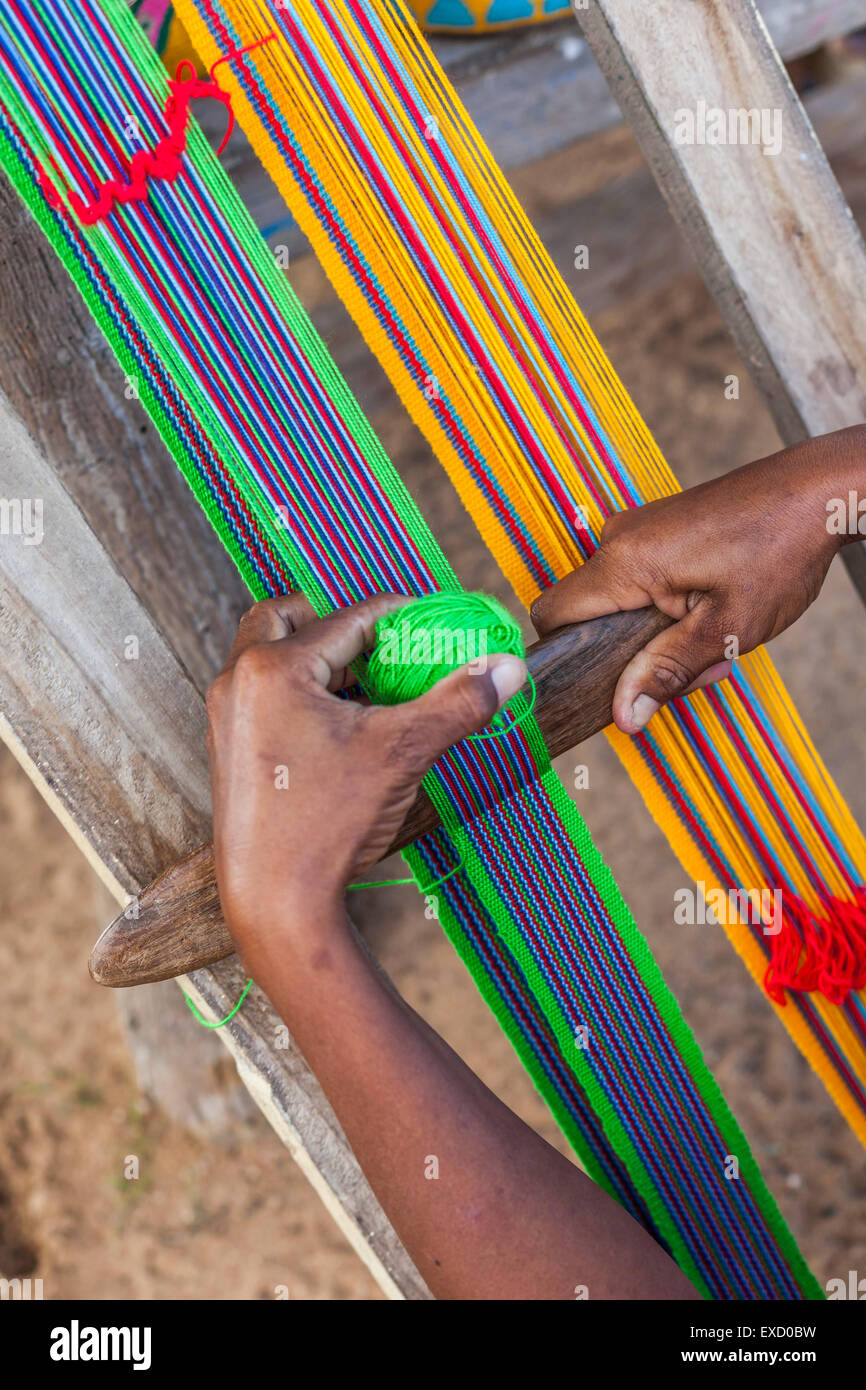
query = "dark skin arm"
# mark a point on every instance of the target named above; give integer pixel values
(508, 1216)
(742, 556)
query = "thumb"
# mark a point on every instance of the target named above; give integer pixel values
(684, 657)
(459, 705)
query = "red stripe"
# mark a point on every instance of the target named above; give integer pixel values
(443, 290)
(453, 426)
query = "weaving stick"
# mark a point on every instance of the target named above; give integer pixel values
(179, 925)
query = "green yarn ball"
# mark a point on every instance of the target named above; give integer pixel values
(430, 637)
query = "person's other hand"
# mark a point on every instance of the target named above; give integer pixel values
(735, 561)
(309, 790)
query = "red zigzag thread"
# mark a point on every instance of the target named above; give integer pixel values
(164, 160)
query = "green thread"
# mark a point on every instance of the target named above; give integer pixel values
(399, 882)
(204, 1022)
(434, 635)
(418, 644)
(513, 723)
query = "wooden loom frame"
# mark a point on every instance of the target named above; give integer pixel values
(117, 747)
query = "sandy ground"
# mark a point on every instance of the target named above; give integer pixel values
(231, 1217)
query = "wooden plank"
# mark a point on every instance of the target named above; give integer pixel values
(530, 93)
(117, 744)
(118, 741)
(772, 234)
(102, 445)
(293, 1103)
(61, 377)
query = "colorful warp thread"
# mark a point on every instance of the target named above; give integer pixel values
(276, 449)
(162, 162)
(429, 249)
(164, 30)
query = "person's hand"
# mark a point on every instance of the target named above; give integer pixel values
(309, 790)
(735, 561)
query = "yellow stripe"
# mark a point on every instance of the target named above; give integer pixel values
(525, 373)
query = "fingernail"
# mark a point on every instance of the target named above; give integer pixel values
(508, 674)
(643, 710)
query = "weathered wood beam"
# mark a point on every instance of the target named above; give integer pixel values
(117, 740)
(60, 376)
(772, 234)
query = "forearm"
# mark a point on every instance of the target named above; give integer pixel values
(820, 474)
(841, 466)
(507, 1216)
